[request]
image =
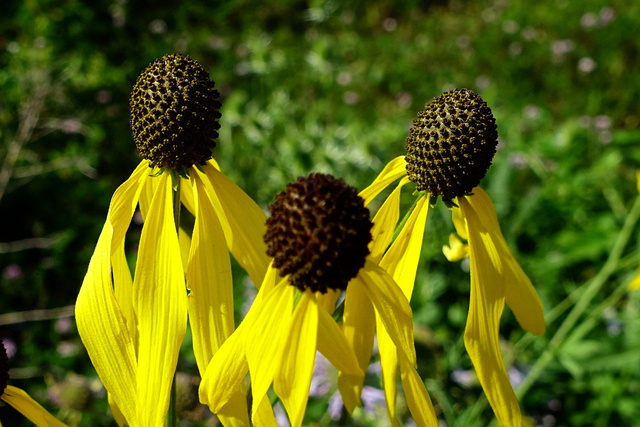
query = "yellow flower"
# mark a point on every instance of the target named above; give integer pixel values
(318, 236)
(20, 400)
(133, 327)
(634, 284)
(449, 149)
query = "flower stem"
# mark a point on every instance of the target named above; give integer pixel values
(591, 289)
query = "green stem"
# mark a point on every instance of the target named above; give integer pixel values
(172, 416)
(589, 291)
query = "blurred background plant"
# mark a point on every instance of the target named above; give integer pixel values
(333, 87)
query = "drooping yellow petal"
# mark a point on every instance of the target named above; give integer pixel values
(520, 294)
(334, 345)
(264, 345)
(235, 412)
(160, 303)
(392, 171)
(210, 299)
(149, 188)
(209, 281)
(418, 399)
(242, 220)
(329, 299)
(292, 379)
(118, 417)
(123, 287)
(401, 260)
(391, 305)
(384, 224)
(389, 369)
(226, 371)
(358, 326)
(28, 407)
(102, 325)
(264, 416)
(481, 335)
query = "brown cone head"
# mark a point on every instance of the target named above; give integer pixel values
(174, 113)
(451, 144)
(318, 233)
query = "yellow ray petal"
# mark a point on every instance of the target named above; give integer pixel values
(293, 376)
(486, 303)
(28, 407)
(123, 287)
(391, 306)
(101, 323)
(187, 196)
(149, 188)
(225, 374)
(359, 327)
(264, 345)
(418, 399)
(384, 224)
(242, 220)
(209, 280)
(328, 300)
(520, 294)
(264, 415)
(160, 303)
(334, 345)
(392, 171)
(401, 260)
(389, 368)
(235, 412)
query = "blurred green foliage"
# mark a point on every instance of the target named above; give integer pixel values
(333, 87)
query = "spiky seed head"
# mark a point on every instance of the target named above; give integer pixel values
(451, 144)
(174, 113)
(4, 368)
(318, 233)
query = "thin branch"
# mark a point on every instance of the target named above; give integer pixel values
(36, 315)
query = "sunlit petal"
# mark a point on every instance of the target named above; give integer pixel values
(392, 171)
(418, 399)
(335, 347)
(358, 326)
(101, 323)
(329, 299)
(209, 281)
(520, 294)
(389, 368)
(264, 345)
(225, 374)
(235, 412)
(28, 407)
(293, 376)
(264, 416)
(401, 260)
(486, 303)
(384, 224)
(160, 303)
(242, 220)
(391, 306)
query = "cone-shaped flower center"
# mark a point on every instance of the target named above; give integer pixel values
(4, 368)
(318, 233)
(174, 113)
(451, 144)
